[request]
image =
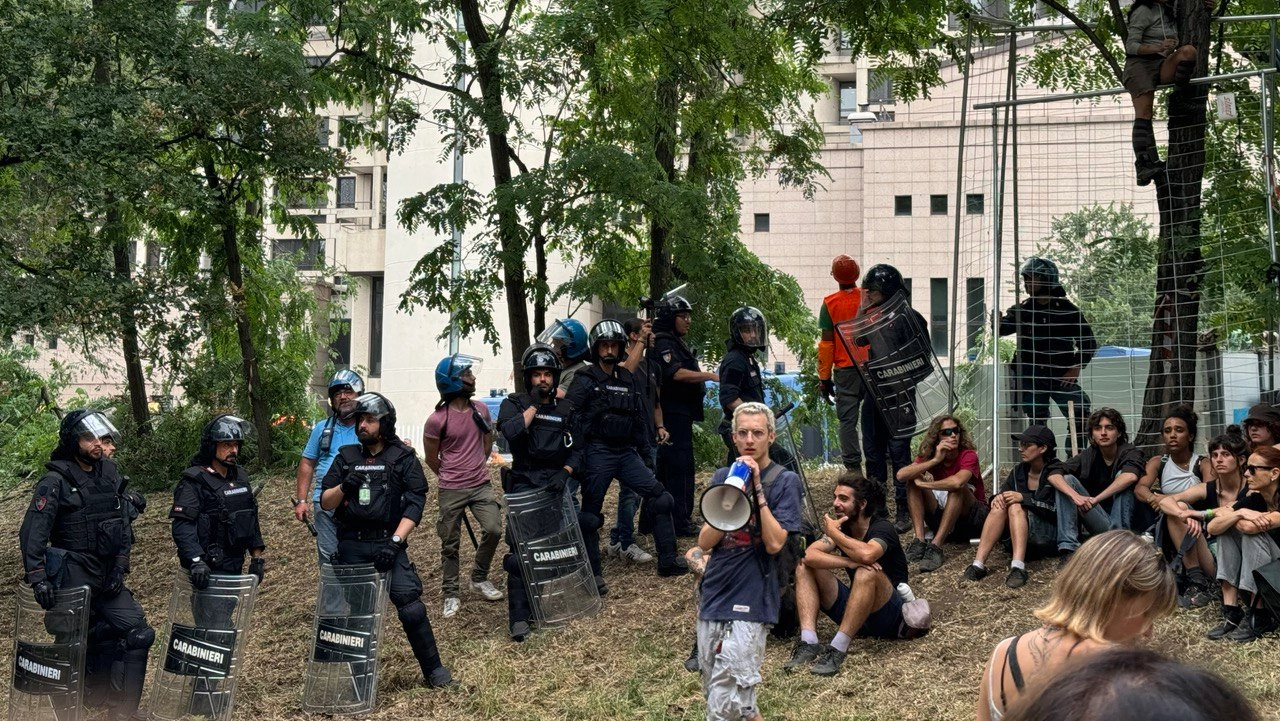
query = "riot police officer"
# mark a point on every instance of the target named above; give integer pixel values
(377, 491)
(683, 389)
(608, 419)
(741, 380)
(215, 514)
(536, 426)
(76, 533)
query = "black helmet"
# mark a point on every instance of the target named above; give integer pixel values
(1044, 270)
(377, 405)
(748, 318)
(884, 279)
(225, 427)
(540, 356)
(607, 330)
(85, 423)
(667, 309)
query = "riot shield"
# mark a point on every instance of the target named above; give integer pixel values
(892, 351)
(48, 657)
(786, 438)
(205, 636)
(342, 672)
(553, 557)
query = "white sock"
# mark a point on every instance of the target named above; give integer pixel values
(1018, 564)
(807, 636)
(978, 564)
(841, 642)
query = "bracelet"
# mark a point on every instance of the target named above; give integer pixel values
(662, 427)
(1208, 514)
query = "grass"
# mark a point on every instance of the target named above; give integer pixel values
(626, 662)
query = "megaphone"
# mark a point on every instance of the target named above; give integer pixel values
(727, 505)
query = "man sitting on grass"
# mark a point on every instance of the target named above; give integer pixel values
(944, 491)
(863, 542)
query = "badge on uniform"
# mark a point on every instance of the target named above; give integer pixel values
(41, 502)
(666, 357)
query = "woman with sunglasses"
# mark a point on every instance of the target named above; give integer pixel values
(1248, 534)
(944, 490)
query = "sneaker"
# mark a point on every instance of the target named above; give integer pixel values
(451, 606)
(602, 588)
(691, 664)
(1017, 578)
(634, 554)
(613, 550)
(488, 590)
(520, 630)
(915, 550)
(973, 573)
(803, 655)
(932, 559)
(679, 568)
(1231, 616)
(440, 678)
(829, 662)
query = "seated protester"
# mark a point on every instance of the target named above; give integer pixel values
(740, 594)
(1024, 506)
(1227, 453)
(1111, 592)
(861, 541)
(1173, 472)
(944, 490)
(1248, 535)
(1096, 486)
(1262, 425)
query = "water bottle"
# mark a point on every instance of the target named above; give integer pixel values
(905, 593)
(366, 493)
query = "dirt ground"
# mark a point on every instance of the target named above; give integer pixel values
(626, 662)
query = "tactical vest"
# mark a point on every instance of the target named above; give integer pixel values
(92, 517)
(229, 525)
(548, 435)
(617, 407)
(379, 503)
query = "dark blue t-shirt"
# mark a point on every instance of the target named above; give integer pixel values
(741, 583)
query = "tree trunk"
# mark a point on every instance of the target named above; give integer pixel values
(489, 76)
(112, 232)
(1171, 378)
(664, 151)
(540, 276)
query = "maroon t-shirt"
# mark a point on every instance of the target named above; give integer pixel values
(966, 461)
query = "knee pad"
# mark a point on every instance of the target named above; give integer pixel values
(590, 522)
(139, 637)
(662, 504)
(511, 564)
(411, 614)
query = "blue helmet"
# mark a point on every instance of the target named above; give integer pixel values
(568, 337)
(346, 378)
(449, 372)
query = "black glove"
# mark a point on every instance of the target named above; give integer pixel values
(44, 594)
(137, 500)
(558, 480)
(199, 575)
(115, 581)
(385, 559)
(258, 567)
(828, 389)
(351, 487)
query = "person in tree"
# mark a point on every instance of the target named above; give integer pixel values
(1153, 58)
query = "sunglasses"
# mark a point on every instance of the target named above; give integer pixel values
(948, 432)
(1250, 468)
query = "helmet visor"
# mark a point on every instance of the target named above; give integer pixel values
(373, 404)
(96, 426)
(461, 365)
(751, 331)
(346, 379)
(556, 335)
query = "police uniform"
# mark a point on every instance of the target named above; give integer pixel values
(539, 454)
(608, 420)
(741, 379)
(681, 408)
(76, 532)
(215, 518)
(392, 487)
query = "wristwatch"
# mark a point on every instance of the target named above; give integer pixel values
(397, 539)
(195, 560)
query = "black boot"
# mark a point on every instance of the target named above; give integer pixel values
(1244, 632)
(1231, 616)
(1148, 164)
(127, 678)
(664, 540)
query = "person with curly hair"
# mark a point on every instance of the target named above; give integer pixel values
(944, 490)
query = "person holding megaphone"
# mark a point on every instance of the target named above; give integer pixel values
(751, 508)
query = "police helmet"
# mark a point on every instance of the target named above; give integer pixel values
(346, 379)
(607, 330)
(377, 405)
(885, 279)
(540, 356)
(449, 372)
(569, 337)
(1043, 270)
(225, 427)
(84, 423)
(671, 306)
(748, 318)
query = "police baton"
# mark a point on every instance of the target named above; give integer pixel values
(470, 532)
(311, 526)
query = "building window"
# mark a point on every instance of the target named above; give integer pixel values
(844, 40)
(322, 132)
(762, 222)
(848, 98)
(348, 126)
(153, 255)
(975, 302)
(382, 207)
(53, 342)
(340, 346)
(906, 284)
(937, 205)
(902, 205)
(938, 302)
(375, 326)
(29, 339)
(310, 253)
(347, 192)
(973, 204)
(879, 88)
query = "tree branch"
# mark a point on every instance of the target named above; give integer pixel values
(1089, 32)
(364, 57)
(1122, 28)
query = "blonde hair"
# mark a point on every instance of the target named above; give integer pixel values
(753, 408)
(1109, 569)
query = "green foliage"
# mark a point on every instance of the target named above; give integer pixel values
(28, 426)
